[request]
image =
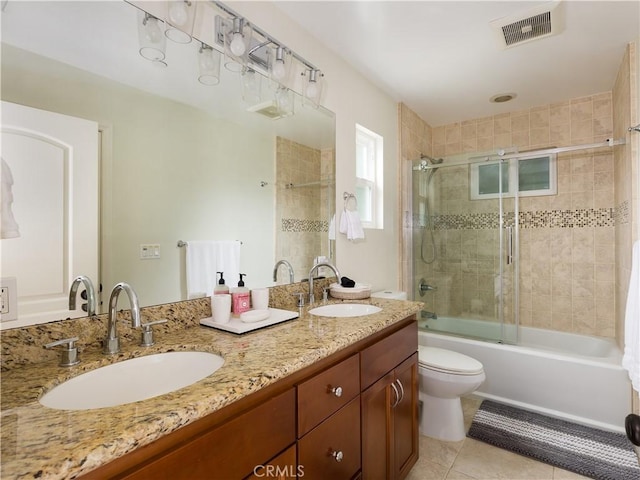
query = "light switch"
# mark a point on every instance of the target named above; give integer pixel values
(149, 251)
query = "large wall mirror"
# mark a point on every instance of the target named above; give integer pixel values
(179, 160)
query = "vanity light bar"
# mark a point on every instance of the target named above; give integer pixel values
(268, 38)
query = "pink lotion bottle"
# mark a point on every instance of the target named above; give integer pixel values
(240, 298)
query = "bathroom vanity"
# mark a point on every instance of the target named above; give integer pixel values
(316, 397)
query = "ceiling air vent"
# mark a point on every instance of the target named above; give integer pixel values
(539, 22)
(270, 110)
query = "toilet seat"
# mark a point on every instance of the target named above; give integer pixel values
(447, 361)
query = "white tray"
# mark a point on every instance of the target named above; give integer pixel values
(235, 325)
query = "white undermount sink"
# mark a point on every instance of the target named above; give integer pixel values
(345, 310)
(132, 380)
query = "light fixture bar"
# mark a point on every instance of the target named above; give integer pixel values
(268, 38)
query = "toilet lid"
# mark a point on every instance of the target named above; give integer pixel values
(448, 361)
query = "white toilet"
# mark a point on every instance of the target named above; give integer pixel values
(444, 377)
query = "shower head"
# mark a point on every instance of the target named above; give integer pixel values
(427, 163)
(431, 160)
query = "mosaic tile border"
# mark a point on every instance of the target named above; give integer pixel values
(592, 217)
(622, 214)
(304, 225)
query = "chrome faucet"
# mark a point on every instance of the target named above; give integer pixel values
(289, 267)
(112, 342)
(91, 294)
(314, 268)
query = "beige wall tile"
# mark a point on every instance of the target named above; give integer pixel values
(502, 124)
(539, 117)
(560, 113)
(485, 129)
(539, 136)
(560, 134)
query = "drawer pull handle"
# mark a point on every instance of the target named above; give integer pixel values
(337, 455)
(337, 391)
(395, 390)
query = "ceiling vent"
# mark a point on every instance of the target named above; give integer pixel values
(540, 22)
(270, 110)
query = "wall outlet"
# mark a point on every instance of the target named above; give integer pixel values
(8, 299)
(149, 251)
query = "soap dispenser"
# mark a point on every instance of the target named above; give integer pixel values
(220, 288)
(240, 297)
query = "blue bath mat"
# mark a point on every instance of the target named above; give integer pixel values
(591, 452)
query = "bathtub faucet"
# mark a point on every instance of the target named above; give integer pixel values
(427, 314)
(424, 287)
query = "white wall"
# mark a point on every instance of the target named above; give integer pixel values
(354, 100)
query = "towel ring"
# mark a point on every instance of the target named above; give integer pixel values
(349, 196)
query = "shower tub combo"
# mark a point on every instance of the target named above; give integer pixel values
(575, 377)
(475, 232)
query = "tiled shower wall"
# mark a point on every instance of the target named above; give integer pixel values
(302, 212)
(567, 241)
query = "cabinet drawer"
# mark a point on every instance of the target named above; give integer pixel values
(383, 356)
(340, 435)
(233, 449)
(283, 467)
(316, 400)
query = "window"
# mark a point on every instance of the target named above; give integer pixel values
(369, 177)
(535, 176)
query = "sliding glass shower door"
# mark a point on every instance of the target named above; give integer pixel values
(464, 247)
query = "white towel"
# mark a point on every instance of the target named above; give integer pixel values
(631, 357)
(332, 228)
(204, 259)
(350, 225)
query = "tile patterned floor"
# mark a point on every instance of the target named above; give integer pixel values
(470, 459)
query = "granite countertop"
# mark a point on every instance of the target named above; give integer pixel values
(38, 442)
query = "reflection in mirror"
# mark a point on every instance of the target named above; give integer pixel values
(179, 160)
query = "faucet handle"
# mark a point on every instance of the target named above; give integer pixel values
(68, 356)
(146, 339)
(325, 294)
(300, 296)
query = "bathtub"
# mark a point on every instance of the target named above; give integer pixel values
(575, 377)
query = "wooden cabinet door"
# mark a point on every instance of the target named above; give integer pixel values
(376, 429)
(390, 423)
(405, 418)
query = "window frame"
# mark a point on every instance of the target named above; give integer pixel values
(513, 178)
(372, 183)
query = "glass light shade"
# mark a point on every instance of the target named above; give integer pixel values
(237, 41)
(208, 65)
(285, 101)
(151, 40)
(251, 87)
(312, 90)
(279, 61)
(180, 17)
